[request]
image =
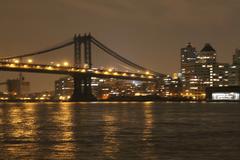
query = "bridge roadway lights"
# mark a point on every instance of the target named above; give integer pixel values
(82, 89)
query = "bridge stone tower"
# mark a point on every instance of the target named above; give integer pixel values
(82, 43)
(82, 84)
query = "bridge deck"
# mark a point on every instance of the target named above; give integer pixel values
(51, 69)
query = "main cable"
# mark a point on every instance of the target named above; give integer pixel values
(56, 47)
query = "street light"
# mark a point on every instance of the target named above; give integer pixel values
(30, 61)
(147, 72)
(16, 61)
(65, 63)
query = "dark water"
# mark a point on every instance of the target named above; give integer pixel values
(135, 131)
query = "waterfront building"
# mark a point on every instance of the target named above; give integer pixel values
(4, 96)
(207, 55)
(172, 86)
(17, 87)
(39, 96)
(236, 57)
(231, 93)
(188, 58)
(220, 75)
(234, 72)
(64, 88)
(204, 72)
(234, 75)
(106, 88)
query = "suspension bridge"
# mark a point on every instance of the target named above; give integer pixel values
(82, 70)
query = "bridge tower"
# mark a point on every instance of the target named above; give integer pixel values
(82, 84)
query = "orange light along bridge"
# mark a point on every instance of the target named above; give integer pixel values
(81, 75)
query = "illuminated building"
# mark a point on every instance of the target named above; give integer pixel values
(234, 75)
(64, 87)
(234, 72)
(188, 58)
(172, 86)
(220, 75)
(231, 93)
(207, 55)
(204, 72)
(236, 57)
(123, 88)
(39, 96)
(207, 72)
(4, 96)
(18, 87)
(105, 88)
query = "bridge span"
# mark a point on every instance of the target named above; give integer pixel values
(81, 75)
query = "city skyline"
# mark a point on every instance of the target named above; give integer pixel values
(127, 26)
(119, 79)
(199, 71)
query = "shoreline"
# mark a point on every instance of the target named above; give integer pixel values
(149, 100)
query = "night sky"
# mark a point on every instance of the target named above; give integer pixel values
(149, 32)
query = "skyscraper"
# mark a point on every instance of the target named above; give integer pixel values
(207, 55)
(236, 57)
(234, 72)
(203, 71)
(188, 58)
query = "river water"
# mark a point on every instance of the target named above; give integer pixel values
(134, 131)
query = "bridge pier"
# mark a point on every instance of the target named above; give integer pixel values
(82, 89)
(82, 84)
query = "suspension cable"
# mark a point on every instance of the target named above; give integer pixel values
(120, 58)
(117, 56)
(58, 46)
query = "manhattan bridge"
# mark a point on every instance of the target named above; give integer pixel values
(82, 70)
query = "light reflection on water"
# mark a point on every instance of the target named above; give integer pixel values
(148, 122)
(63, 133)
(111, 145)
(119, 131)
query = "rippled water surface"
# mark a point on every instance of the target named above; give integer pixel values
(135, 131)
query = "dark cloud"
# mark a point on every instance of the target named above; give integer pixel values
(148, 32)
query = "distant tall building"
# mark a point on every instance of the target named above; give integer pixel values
(236, 57)
(234, 75)
(209, 71)
(188, 58)
(204, 72)
(18, 87)
(234, 72)
(172, 86)
(64, 87)
(207, 55)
